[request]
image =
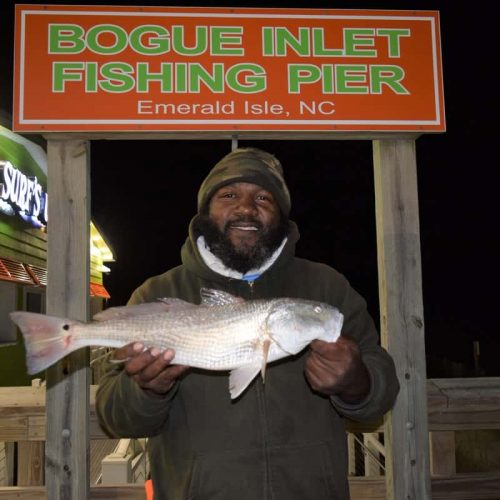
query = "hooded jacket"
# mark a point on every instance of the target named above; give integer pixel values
(280, 440)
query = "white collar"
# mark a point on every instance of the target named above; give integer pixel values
(215, 264)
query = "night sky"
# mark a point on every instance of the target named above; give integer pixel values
(144, 192)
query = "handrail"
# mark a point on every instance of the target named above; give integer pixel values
(122, 448)
(121, 465)
(453, 404)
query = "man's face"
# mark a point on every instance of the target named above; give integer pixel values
(244, 212)
(244, 225)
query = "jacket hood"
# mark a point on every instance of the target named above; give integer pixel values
(192, 259)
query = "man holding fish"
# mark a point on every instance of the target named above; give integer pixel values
(279, 436)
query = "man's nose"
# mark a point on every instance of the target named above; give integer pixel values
(247, 205)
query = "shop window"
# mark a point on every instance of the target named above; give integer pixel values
(8, 334)
(35, 300)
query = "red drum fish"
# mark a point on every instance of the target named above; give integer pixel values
(224, 332)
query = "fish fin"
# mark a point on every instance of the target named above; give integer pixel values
(240, 378)
(47, 339)
(287, 343)
(125, 312)
(212, 297)
(176, 303)
(265, 356)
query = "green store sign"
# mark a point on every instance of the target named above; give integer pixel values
(22, 179)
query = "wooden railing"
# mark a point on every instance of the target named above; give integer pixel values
(453, 404)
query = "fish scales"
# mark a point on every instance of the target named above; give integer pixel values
(200, 337)
(223, 333)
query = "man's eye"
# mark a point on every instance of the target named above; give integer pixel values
(228, 195)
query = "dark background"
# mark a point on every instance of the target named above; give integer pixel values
(144, 192)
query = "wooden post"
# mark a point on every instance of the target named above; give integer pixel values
(401, 317)
(374, 451)
(351, 454)
(67, 446)
(7, 453)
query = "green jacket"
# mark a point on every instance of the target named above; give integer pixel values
(279, 440)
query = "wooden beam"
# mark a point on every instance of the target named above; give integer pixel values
(367, 488)
(458, 403)
(472, 486)
(374, 450)
(67, 446)
(401, 315)
(463, 403)
(122, 492)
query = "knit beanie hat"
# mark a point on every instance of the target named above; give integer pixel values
(247, 165)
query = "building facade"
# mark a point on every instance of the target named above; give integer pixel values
(23, 248)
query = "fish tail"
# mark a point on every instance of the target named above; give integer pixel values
(47, 339)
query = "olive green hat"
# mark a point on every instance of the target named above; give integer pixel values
(247, 165)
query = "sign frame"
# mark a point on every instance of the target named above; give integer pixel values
(29, 114)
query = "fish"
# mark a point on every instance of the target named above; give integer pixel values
(223, 333)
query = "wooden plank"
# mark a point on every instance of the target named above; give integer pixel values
(367, 488)
(469, 393)
(22, 409)
(13, 428)
(464, 403)
(28, 245)
(480, 486)
(29, 251)
(455, 487)
(30, 463)
(67, 466)
(122, 492)
(442, 453)
(462, 486)
(374, 451)
(36, 428)
(351, 454)
(21, 401)
(401, 314)
(22, 414)
(7, 464)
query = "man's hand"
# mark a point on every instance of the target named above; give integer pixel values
(151, 369)
(336, 368)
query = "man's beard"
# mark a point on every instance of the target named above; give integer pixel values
(245, 257)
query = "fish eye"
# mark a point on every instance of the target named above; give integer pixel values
(318, 309)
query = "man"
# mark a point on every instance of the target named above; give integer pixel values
(284, 440)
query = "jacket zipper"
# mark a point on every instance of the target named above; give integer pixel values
(250, 285)
(267, 491)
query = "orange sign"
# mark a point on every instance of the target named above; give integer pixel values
(108, 68)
